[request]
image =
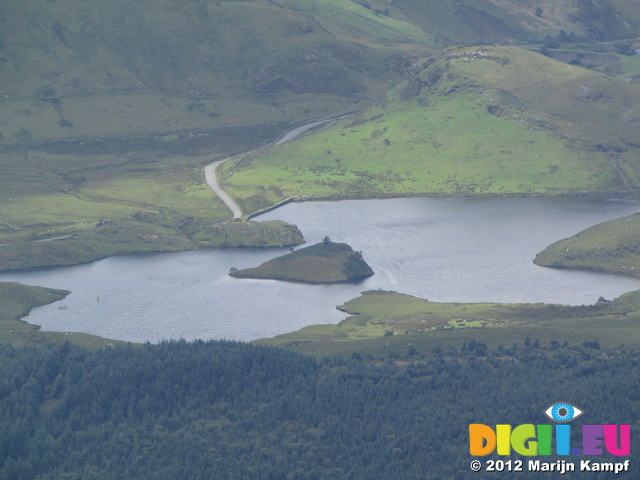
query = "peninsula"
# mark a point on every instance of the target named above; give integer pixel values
(325, 262)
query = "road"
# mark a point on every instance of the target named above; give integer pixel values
(211, 176)
(212, 180)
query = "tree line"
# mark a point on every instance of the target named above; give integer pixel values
(218, 409)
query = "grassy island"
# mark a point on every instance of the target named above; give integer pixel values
(325, 262)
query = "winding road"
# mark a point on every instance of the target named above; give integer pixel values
(211, 177)
(212, 180)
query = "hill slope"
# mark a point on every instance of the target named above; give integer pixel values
(474, 120)
(110, 112)
(74, 69)
(506, 21)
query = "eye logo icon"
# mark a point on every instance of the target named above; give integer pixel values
(563, 412)
(539, 440)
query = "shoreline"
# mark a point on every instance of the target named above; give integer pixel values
(617, 204)
(336, 198)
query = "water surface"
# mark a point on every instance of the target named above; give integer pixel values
(442, 249)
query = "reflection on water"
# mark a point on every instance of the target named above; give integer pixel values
(442, 249)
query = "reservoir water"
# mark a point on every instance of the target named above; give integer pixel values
(442, 249)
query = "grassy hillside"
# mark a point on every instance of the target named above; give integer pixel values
(612, 247)
(506, 21)
(110, 112)
(471, 121)
(382, 321)
(325, 262)
(73, 69)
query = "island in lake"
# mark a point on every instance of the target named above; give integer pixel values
(325, 262)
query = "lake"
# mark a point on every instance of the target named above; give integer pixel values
(442, 249)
